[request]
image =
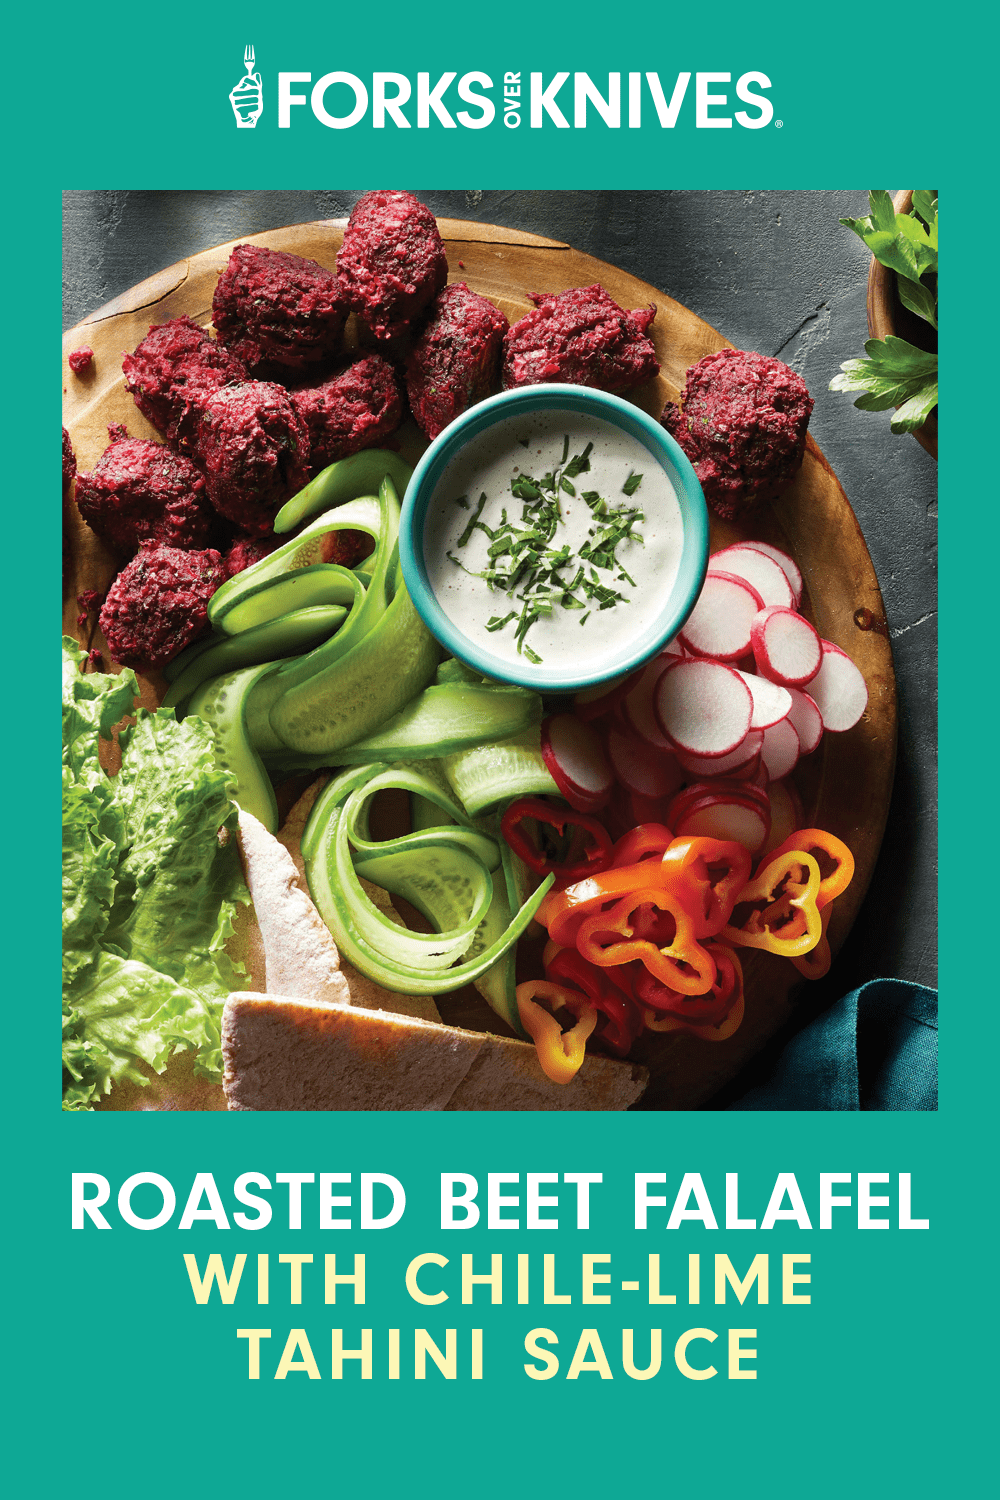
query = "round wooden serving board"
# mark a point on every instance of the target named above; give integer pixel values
(845, 785)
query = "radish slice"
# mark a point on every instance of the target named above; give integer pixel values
(576, 761)
(838, 690)
(786, 648)
(770, 702)
(758, 569)
(725, 765)
(640, 768)
(706, 793)
(591, 703)
(784, 820)
(806, 719)
(727, 819)
(637, 708)
(780, 752)
(703, 707)
(720, 625)
(646, 809)
(788, 566)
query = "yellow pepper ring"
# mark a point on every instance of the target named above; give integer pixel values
(763, 888)
(560, 1053)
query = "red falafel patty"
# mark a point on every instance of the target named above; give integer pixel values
(742, 422)
(69, 464)
(244, 551)
(254, 449)
(392, 261)
(354, 409)
(277, 312)
(580, 337)
(175, 362)
(454, 360)
(141, 492)
(158, 604)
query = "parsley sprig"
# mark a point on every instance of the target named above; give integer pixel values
(897, 373)
(529, 564)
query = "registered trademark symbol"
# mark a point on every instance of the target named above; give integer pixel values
(778, 124)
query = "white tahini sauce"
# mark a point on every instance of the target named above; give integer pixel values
(488, 463)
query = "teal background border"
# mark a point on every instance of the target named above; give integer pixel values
(118, 1379)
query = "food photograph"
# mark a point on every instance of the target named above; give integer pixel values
(499, 650)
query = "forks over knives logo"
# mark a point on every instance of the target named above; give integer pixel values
(247, 98)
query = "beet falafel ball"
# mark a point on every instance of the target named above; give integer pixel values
(158, 604)
(69, 463)
(354, 409)
(141, 492)
(174, 363)
(244, 551)
(454, 360)
(254, 449)
(277, 312)
(580, 337)
(742, 422)
(392, 261)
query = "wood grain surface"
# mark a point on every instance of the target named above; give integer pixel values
(845, 786)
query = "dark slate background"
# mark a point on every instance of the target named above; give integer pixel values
(772, 271)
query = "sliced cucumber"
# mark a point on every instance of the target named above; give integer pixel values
(361, 474)
(301, 630)
(444, 719)
(221, 702)
(318, 585)
(303, 551)
(485, 777)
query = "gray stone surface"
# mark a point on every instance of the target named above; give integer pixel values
(773, 271)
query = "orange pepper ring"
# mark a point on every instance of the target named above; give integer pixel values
(661, 962)
(830, 886)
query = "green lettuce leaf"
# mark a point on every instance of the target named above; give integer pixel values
(151, 882)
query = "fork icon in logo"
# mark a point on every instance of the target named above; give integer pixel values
(247, 98)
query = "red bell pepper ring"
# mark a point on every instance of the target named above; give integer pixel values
(682, 963)
(712, 872)
(712, 1007)
(619, 1021)
(595, 857)
(726, 962)
(817, 842)
(649, 840)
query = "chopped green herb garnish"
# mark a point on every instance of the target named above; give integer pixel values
(467, 533)
(463, 501)
(533, 560)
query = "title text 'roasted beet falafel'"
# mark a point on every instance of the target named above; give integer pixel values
(174, 363)
(580, 337)
(141, 492)
(392, 261)
(356, 408)
(277, 312)
(742, 422)
(158, 604)
(254, 449)
(454, 359)
(69, 463)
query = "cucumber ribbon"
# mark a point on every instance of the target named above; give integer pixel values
(460, 878)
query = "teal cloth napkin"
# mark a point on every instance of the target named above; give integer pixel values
(875, 1049)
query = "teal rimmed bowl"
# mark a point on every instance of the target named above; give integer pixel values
(424, 486)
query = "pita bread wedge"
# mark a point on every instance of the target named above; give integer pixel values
(283, 1053)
